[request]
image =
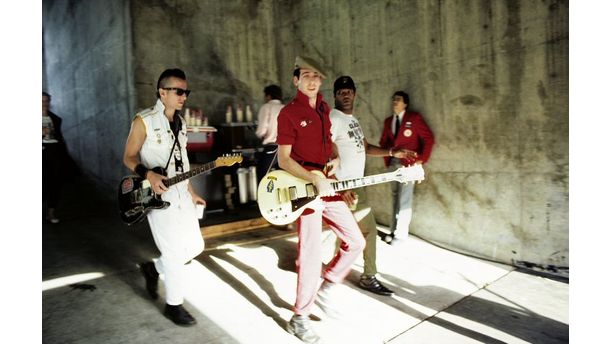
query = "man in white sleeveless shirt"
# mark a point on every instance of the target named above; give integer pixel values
(176, 230)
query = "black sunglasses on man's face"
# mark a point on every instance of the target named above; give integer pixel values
(179, 91)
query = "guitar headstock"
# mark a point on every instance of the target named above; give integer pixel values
(228, 160)
(414, 173)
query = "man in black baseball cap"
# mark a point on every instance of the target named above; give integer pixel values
(352, 147)
(344, 82)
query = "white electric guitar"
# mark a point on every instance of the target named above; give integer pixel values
(282, 197)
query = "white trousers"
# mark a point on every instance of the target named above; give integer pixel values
(176, 232)
(402, 206)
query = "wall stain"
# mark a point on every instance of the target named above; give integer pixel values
(470, 100)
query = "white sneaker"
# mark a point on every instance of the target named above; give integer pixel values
(325, 298)
(299, 326)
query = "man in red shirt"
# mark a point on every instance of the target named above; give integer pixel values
(304, 141)
(408, 130)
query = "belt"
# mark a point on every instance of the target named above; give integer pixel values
(312, 164)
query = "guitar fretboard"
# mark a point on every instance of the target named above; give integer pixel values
(184, 176)
(365, 181)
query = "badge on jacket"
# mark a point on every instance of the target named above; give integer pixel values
(407, 131)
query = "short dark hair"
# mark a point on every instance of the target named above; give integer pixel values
(273, 91)
(45, 94)
(296, 73)
(403, 95)
(167, 74)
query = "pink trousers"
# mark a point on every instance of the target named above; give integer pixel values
(342, 222)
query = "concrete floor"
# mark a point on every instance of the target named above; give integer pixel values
(241, 290)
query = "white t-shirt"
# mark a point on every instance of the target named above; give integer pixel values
(348, 137)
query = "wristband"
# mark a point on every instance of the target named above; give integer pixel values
(141, 170)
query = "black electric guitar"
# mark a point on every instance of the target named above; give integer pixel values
(283, 197)
(136, 197)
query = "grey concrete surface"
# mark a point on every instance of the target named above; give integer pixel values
(490, 77)
(241, 289)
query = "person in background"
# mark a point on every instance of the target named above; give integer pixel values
(352, 148)
(158, 138)
(408, 130)
(304, 143)
(57, 164)
(267, 128)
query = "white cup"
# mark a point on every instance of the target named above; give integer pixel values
(200, 210)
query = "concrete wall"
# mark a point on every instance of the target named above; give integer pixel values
(226, 48)
(87, 47)
(490, 77)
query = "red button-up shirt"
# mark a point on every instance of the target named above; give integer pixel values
(307, 130)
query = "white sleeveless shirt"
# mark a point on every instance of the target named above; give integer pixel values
(159, 139)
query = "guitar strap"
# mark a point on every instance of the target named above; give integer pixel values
(273, 160)
(172, 152)
(176, 126)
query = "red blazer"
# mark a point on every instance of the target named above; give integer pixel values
(414, 134)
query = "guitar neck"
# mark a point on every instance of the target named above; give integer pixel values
(184, 176)
(365, 181)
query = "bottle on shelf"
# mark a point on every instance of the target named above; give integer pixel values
(187, 117)
(228, 114)
(198, 118)
(239, 113)
(249, 114)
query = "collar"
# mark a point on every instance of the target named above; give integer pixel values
(303, 99)
(274, 101)
(341, 113)
(159, 106)
(400, 115)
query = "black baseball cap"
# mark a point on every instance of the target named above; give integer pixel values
(344, 81)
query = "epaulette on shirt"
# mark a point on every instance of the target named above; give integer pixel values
(146, 112)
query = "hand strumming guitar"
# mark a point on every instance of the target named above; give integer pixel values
(156, 180)
(323, 186)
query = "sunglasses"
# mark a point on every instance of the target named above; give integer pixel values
(179, 91)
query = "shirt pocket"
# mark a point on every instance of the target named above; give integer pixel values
(310, 130)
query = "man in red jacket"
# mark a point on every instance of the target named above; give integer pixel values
(408, 130)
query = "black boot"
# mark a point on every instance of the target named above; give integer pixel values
(151, 277)
(370, 283)
(179, 315)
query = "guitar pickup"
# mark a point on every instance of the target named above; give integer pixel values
(310, 190)
(292, 193)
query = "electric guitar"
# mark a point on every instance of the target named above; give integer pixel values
(282, 197)
(136, 197)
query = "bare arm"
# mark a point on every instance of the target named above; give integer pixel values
(286, 162)
(134, 143)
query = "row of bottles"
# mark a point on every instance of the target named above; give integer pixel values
(240, 115)
(195, 117)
